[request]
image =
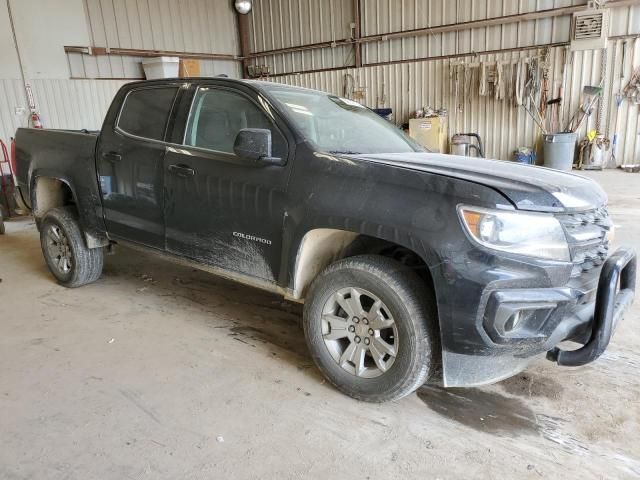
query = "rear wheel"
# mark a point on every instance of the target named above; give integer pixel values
(65, 251)
(370, 325)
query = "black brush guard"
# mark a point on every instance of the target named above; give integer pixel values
(611, 304)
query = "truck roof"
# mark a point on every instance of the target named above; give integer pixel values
(260, 84)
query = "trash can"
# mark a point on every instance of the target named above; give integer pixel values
(559, 149)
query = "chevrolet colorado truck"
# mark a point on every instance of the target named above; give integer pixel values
(411, 265)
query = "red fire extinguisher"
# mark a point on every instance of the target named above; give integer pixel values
(36, 121)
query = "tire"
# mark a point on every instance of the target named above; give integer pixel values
(406, 321)
(61, 236)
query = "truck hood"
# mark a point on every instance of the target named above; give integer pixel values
(527, 187)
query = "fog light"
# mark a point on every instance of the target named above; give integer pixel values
(516, 316)
(513, 321)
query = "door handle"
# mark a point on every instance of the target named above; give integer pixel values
(182, 170)
(112, 156)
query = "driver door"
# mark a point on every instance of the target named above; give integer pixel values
(219, 208)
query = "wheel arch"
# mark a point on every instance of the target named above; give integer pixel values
(50, 191)
(320, 247)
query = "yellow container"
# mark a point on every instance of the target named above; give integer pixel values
(430, 132)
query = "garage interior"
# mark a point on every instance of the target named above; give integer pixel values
(162, 371)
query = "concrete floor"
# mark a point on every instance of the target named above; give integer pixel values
(159, 371)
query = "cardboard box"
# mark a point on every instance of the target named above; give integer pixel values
(189, 68)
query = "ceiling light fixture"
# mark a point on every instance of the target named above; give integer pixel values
(242, 6)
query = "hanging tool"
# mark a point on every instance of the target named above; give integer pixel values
(619, 100)
(632, 89)
(544, 87)
(554, 110)
(484, 87)
(534, 113)
(590, 95)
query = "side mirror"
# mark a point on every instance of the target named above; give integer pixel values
(254, 145)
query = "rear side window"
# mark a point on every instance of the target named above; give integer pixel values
(146, 111)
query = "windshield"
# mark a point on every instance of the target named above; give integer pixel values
(340, 125)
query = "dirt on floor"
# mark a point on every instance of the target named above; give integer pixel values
(160, 371)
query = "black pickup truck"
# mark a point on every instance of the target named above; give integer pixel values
(411, 265)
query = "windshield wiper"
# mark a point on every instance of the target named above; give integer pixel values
(344, 152)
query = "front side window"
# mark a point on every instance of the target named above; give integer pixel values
(218, 115)
(145, 112)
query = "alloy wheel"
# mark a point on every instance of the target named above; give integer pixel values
(360, 333)
(59, 249)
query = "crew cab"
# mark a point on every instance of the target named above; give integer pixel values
(411, 265)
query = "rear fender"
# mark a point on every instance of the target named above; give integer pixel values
(48, 191)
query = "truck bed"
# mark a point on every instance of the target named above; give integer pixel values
(67, 157)
(60, 152)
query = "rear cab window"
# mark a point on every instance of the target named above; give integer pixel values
(145, 112)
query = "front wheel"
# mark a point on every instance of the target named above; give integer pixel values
(370, 324)
(65, 251)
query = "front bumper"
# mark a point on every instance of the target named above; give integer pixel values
(550, 315)
(616, 289)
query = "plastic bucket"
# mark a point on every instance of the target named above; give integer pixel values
(559, 149)
(527, 157)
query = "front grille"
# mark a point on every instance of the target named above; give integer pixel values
(588, 239)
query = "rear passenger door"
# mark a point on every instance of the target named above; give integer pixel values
(220, 209)
(130, 166)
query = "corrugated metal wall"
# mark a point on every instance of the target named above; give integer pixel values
(11, 96)
(196, 26)
(279, 24)
(87, 66)
(72, 104)
(408, 86)
(503, 126)
(285, 23)
(204, 26)
(307, 21)
(383, 16)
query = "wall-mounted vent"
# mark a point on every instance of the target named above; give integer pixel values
(588, 26)
(589, 30)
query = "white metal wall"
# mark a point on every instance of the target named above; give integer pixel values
(382, 16)
(405, 87)
(285, 23)
(43, 28)
(279, 24)
(72, 104)
(108, 67)
(299, 22)
(203, 26)
(196, 26)
(504, 127)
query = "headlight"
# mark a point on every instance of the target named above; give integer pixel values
(532, 234)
